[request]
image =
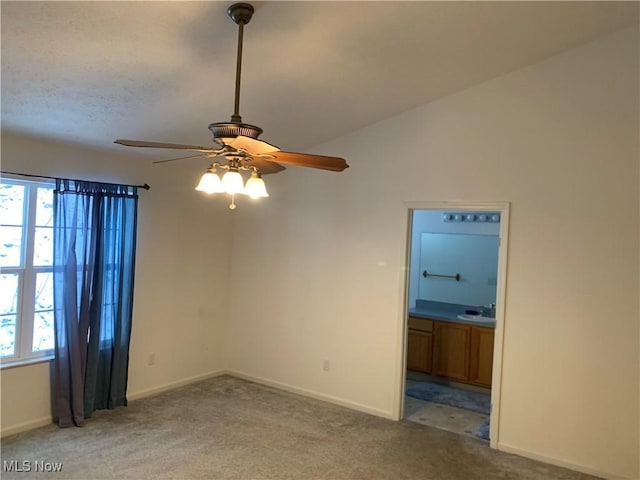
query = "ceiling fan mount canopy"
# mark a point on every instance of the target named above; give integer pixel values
(240, 12)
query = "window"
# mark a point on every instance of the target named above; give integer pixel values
(26, 270)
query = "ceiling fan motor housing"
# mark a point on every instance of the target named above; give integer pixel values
(233, 129)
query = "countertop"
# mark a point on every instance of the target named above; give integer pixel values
(447, 312)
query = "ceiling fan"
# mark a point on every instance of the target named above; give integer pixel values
(237, 145)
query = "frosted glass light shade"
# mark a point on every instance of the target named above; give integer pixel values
(232, 182)
(210, 183)
(255, 187)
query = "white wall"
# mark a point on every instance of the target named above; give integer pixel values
(180, 307)
(324, 257)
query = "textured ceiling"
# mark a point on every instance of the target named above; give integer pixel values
(91, 72)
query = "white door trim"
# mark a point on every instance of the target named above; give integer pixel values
(496, 383)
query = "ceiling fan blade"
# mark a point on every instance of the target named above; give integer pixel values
(141, 143)
(265, 167)
(334, 164)
(252, 145)
(203, 155)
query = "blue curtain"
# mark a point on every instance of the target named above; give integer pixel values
(94, 258)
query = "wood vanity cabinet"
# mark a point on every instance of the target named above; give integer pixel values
(456, 351)
(420, 345)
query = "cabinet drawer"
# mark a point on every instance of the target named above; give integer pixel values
(422, 324)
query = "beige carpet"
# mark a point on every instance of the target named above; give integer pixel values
(227, 428)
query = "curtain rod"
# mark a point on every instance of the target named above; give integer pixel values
(145, 186)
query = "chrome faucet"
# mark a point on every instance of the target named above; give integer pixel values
(489, 310)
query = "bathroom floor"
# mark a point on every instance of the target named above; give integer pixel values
(444, 417)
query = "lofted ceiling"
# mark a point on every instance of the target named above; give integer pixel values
(91, 72)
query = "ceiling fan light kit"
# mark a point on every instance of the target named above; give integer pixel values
(255, 186)
(210, 182)
(238, 145)
(232, 182)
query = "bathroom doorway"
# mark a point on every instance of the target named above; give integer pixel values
(454, 316)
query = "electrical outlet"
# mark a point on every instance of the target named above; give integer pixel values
(325, 365)
(151, 360)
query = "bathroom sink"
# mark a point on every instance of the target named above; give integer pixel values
(477, 318)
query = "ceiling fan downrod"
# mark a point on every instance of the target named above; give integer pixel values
(241, 14)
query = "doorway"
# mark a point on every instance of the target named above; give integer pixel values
(454, 316)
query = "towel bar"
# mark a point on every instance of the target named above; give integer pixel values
(426, 274)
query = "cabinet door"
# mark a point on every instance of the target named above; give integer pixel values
(419, 351)
(451, 344)
(481, 355)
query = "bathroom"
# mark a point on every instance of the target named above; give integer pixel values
(451, 300)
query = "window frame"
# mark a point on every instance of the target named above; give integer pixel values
(27, 278)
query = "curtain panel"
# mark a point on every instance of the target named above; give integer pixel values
(94, 261)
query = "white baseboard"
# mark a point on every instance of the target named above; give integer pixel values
(42, 421)
(24, 426)
(172, 385)
(313, 394)
(558, 462)
(39, 422)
